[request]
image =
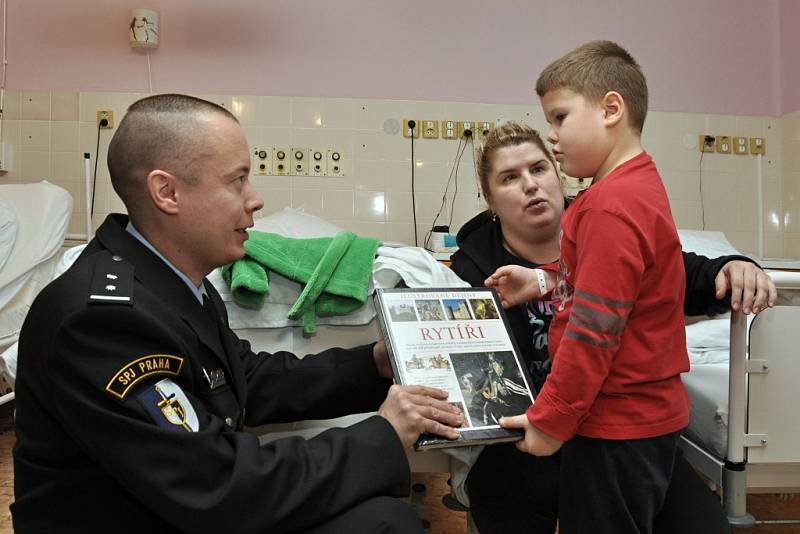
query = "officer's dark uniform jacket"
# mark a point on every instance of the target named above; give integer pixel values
(104, 446)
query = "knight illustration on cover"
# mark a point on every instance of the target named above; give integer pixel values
(457, 340)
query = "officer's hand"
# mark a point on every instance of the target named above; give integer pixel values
(381, 356)
(412, 410)
(751, 289)
(535, 442)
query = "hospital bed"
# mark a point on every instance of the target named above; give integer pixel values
(33, 223)
(744, 431)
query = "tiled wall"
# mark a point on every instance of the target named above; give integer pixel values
(50, 131)
(791, 184)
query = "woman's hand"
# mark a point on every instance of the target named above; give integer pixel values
(751, 289)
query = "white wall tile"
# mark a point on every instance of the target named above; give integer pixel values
(12, 105)
(322, 113)
(308, 200)
(276, 112)
(91, 102)
(64, 136)
(338, 204)
(66, 167)
(35, 165)
(368, 175)
(36, 105)
(64, 105)
(247, 109)
(35, 135)
(370, 206)
(11, 132)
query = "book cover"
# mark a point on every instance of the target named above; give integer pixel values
(458, 340)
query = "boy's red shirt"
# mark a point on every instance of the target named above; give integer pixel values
(618, 341)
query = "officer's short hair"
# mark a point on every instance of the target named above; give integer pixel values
(158, 132)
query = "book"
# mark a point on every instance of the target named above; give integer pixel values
(458, 340)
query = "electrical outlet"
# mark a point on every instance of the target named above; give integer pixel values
(280, 161)
(407, 131)
(299, 162)
(262, 162)
(706, 143)
(430, 129)
(463, 126)
(317, 163)
(739, 145)
(723, 144)
(449, 130)
(482, 128)
(336, 163)
(108, 115)
(758, 146)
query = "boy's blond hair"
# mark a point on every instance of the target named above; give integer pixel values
(509, 134)
(594, 69)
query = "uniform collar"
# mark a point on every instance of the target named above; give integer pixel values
(198, 291)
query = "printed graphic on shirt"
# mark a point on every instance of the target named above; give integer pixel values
(168, 406)
(540, 314)
(151, 365)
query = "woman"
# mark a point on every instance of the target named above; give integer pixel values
(511, 491)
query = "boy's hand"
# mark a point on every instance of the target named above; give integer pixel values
(536, 442)
(516, 284)
(751, 289)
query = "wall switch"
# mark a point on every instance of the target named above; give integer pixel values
(280, 162)
(758, 146)
(430, 129)
(706, 143)
(407, 131)
(262, 162)
(299, 162)
(739, 145)
(449, 130)
(723, 144)
(317, 163)
(108, 116)
(335, 163)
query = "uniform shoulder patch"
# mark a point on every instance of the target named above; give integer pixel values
(140, 368)
(168, 406)
(112, 281)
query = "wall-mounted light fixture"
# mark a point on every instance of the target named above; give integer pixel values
(144, 28)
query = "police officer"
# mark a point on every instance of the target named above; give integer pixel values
(132, 390)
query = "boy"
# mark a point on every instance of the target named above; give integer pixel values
(614, 398)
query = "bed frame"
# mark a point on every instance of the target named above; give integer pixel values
(763, 454)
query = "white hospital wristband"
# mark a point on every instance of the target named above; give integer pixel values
(542, 281)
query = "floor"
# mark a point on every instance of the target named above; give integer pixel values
(438, 518)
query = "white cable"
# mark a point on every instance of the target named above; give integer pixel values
(3, 81)
(149, 74)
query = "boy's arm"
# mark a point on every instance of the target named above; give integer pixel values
(608, 274)
(516, 284)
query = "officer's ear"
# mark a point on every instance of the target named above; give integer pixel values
(162, 188)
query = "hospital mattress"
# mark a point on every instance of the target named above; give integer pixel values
(707, 386)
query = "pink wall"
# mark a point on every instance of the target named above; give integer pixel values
(790, 55)
(714, 56)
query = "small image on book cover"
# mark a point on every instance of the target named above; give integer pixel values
(459, 343)
(457, 309)
(429, 310)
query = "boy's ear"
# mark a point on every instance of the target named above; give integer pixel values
(613, 108)
(162, 188)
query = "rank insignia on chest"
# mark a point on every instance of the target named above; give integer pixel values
(133, 372)
(168, 406)
(214, 377)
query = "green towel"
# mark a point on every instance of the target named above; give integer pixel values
(335, 270)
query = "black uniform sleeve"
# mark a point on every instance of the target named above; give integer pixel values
(215, 479)
(700, 298)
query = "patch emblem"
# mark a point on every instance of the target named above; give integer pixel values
(133, 372)
(169, 407)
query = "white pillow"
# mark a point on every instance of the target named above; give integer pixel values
(8, 231)
(295, 223)
(705, 242)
